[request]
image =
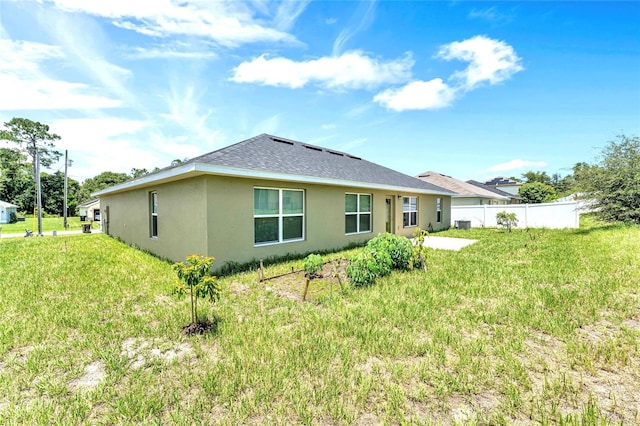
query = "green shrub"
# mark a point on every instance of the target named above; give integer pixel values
(312, 264)
(507, 220)
(419, 251)
(399, 248)
(363, 268)
(196, 279)
(13, 218)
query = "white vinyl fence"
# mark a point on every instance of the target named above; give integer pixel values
(546, 215)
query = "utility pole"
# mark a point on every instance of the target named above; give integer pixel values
(38, 193)
(64, 201)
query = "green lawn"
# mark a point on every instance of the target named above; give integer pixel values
(531, 327)
(48, 224)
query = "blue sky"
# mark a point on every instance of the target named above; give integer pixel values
(469, 89)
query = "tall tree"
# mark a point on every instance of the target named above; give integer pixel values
(32, 136)
(16, 183)
(53, 193)
(102, 181)
(614, 183)
(532, 176)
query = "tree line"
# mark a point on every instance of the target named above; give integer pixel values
(18, 166)
(612, 183)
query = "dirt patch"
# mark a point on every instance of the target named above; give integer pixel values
(20, 354)
(558, 386)
(291, 286)
(94, 373)
(199, 327)
(368, 419)
(239, 288)
(140, 351)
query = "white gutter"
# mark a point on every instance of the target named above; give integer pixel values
(197, 169)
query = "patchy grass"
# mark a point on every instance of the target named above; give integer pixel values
(528, 327)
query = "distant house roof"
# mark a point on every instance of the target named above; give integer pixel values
(89, 203)
(275, 158)
(502, 181)
(492, 189)
(461, 188)
(7, 205)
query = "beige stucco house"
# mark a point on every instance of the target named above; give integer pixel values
(268, 196)
(465, 193)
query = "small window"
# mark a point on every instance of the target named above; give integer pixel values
(278, 215)
(410, 211)
(439, 210)
(153, 207)
(357, 213)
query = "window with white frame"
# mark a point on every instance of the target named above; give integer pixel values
(438, 210)
(278, 215)
(357, 213)
(153, 219)
(409, 211)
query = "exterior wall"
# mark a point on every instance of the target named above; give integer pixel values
(511, 189)
(213, 215)
(5, 213)
(182, 226)
(547, 215)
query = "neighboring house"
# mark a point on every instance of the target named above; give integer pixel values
(90, 210)
(466, 194)
(513, 199)
(505, 184)
(268, 196)
(5, 211)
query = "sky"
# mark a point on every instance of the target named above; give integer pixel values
(469, 89)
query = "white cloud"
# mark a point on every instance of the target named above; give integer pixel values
(516, 165)
(431, 94)
(491, 14)
(288, 12)
(269, 125)
(489, 60)
(25, 86)
(228, 23)
(352, 70)
(365, 14)
(104, 144)
(168, 52)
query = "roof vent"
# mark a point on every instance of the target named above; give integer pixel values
(354, 157)
(282, 141)
(314, 148)
(336, 153)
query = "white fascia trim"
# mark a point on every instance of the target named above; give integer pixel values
(204, 168)
(144, 180)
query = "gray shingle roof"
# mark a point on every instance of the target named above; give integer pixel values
(492, 189)
(275, 154)
(459, 187)
(289, 160)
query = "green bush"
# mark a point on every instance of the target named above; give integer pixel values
(381, 254)
(13, 218)
(312, 265)
(399, 248)
(363, 269)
